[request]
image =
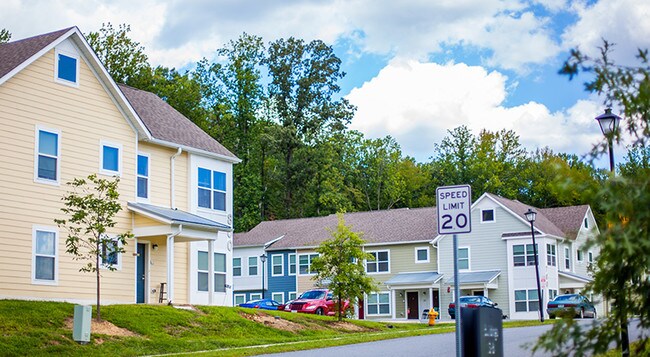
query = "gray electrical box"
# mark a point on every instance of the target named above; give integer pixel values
(482, 330)
(81, 328)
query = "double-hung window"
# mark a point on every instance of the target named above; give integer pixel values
(378, 304)
(292, 264)
(236, 266)
(551, 255)
(45, 258)
(143, 176)
(111, 159)
(463, 258)
(567, 258)
(252, 266)
(380, 263)
(67, 68)
(523, 254)
(203, 272)
(212, 189)
(277, 265)
(526, 300)
(47, 156)
(304, 263)
(580, 255)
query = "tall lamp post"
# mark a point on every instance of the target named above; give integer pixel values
(530, 216)
(609, 126)
(263, 260)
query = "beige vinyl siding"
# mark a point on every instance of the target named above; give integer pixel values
(82, 116)
(160, 174)
(402, 258)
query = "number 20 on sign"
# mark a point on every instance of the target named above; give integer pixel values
(454, 205)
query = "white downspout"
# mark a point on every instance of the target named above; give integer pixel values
(170, 263)
(172, 202)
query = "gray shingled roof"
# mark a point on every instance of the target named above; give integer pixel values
(176, 216)
(542, 222)
(13, 54)
(387, 226)
(167, 124)
(414, 278)
(475, 277)
(568, 219)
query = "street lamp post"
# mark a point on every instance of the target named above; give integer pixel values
(609, 126)
(263, 260)
(530, 216)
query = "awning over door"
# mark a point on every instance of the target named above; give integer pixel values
(413, 280)
(571, 281)
(477, 279)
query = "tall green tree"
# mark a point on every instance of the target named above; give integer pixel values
(623, 264)
(5, 36)
(381, 180)
(341, 263)
(123, 57)
(91, 207)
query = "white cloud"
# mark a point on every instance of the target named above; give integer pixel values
(417, 103)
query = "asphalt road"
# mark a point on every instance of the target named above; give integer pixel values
(514, 344)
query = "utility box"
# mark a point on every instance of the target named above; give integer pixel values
(482, 330)
(82, 318)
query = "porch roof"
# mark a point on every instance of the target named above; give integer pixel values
(430, 277)
(574, 277)
(476, 277)
(176, 216)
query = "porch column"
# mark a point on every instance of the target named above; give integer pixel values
(430, 299)
(394, 303)
(210, 272)
(170, 268)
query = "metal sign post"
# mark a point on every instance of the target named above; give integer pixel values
(453, 204)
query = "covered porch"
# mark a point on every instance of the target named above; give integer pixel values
(414, 293)
(163, 263)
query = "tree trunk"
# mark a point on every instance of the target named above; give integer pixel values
(99, 314)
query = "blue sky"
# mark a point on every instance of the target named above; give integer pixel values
(415, 68)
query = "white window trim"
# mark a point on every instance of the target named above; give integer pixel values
(377, 262)
(102, 171)
(548, 254)
(567, 256)
(295, 259)
(56, 182)
(281, 300)
(248, 266)
(469, 259)
(428, 255)
(148, 177)
(234, 299)
(211, 209)
(255, 296)
(47, 229)
(56, 68)
(580, 256)
(294, 294)
(494, 215)
(117, 266)
(390, 304)
(281, 265)
(308, 266)
(241, 267)
(590, 257)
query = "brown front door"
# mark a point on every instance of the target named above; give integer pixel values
(361, 312)
(412, 303)
(436, 299)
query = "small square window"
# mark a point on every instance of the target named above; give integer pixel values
(422, 255)
(487, 215)
(66, 68)
(110, 160)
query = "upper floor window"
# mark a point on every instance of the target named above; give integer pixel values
(252, 265)
(586, 223)
(463, 258)
(523, 254)
(236, 266)
(304, 263)
(292, 264)
(579, 255)
(143, 176)
(422, 255)
(212, 189)
(277, 265)
(567, 258)
(487, 215)
(381, 263)
(45, 258)
(67, 68)
(111, 159)
(590, 257)
(47, 156)
(551, 255)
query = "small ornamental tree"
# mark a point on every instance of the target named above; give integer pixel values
(91, 206)
(341, 262)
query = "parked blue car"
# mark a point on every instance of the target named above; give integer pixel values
(265, 304)
(470, 302)
(571, 304)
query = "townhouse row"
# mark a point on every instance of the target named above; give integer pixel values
(413, 265)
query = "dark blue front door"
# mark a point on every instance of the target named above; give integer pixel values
(141, 273)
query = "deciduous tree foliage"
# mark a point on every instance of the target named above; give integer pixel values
(91, 207)
(5, 36)
(341, 263)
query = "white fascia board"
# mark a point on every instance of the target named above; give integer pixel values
(230, 159)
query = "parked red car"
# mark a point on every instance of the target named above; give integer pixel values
(317, 301)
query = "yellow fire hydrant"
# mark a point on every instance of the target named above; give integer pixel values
(433, 314)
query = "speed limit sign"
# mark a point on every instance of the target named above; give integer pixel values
(454, 205)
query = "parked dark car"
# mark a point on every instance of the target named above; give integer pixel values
(575, 304)
(470, 302)
(265, 304)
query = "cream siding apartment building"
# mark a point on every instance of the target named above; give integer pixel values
(64, 117)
